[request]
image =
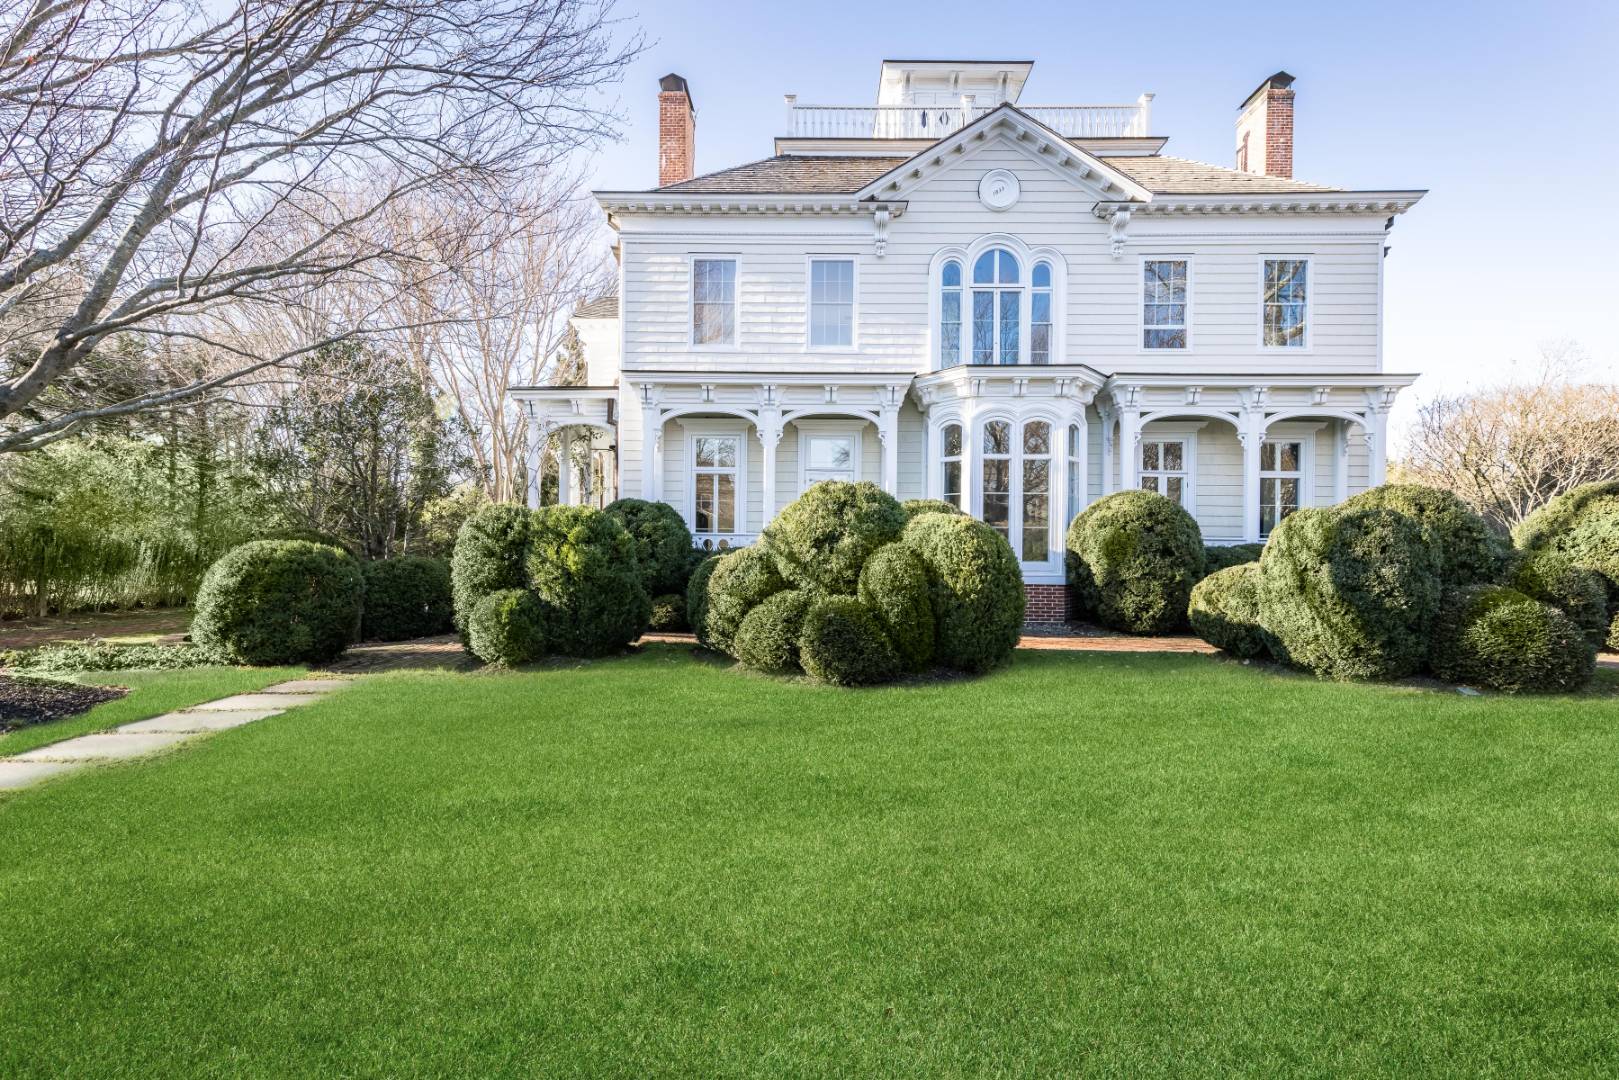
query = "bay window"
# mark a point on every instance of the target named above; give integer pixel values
(1015, 471)
(950, 465)
(1035, 495)
(995, 485)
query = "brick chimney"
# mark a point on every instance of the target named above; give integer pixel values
(677, 131)
(1265, 128)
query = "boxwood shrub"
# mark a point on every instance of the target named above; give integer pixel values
(509, 627)
(1496, 637)
(1220, 556)
(1470, 553)
(1582, 524)
(1350, 594)
(975, 588)
(668, 613)
(1553, 578)
(1224, 611)
(662, 543)
(768, 636)
(489, 554)
(279, 602)
(1133, 558)
(741, 580)
(823, 538)
(918, 507)
(581, 563)
(697, 597)
(894, 587)
(407, 597)
(843, 643)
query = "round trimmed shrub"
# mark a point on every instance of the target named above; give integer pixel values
(581, 563)
(894, 587)
(918, 507)
(1350, 594)
(1469, 552)
(279, 602)
(668, 613)
(489, 552)
(740, 581)
(662, 543)
(407, 597)
(975, 587)
(1133, 558)
(697, 597)
(1224, 611)
(823, 538)
(1582, 524)
(1497, 637)
(1552, 578)
(1613, 635)
(768, 636)
(843, 643)
(509, 627)
(1221, 556)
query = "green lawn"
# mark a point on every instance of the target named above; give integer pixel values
(1100, 864)
(151, 693)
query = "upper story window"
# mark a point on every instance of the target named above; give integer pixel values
(713, 301)
(1040, 315)
(950, 314)
(1164, 291)
(1286, 314)
(831, 303)
(997, 308)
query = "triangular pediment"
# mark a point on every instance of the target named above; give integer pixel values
(1007, 125)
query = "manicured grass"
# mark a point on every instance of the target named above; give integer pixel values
(151, 693)
(1100, 864)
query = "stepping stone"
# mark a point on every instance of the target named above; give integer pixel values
(16, 774)
(239, 702)
(198, 721)
(307, 686)
(105, 746)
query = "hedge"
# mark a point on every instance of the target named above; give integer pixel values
(894, 588)
(662, 543)
(279, 602)
(1350, 594)
(821, 539)
(741, 580)
(668, 613)
(768, 636)
(1470, 553)
(918, 507)
(488, 556)
(408, 597)
(1497, 637)
(842, 643)
(581, 562)
(1221, 556)
(1133, 558)
(1553, 578)
(510, 627)
(975, 587)
(1224, 611)
(1582, 524)
(697, 598)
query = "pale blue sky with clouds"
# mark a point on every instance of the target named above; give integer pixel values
(1508, 113)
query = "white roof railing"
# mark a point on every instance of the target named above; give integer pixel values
(937, 121)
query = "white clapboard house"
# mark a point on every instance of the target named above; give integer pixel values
(957, 294)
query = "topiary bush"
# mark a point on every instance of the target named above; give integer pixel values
(697, 598)
(768, 636)
(279, 602)
(823, 538)
(668, 614)
(408, 597)
(489, 554)
(1224, 611)
(1553, 578)
(1133, 558)
(843, 643)
(1220, 556)
(662, 543)
(741, 580)
(1470, 553)
(918, 507)
(1350, 594)
(509, 627)
(974, 586)
(1582, 524)
(894, 588)
(1497, 637)
(581, 563)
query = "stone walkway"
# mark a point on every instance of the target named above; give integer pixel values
(144, 737)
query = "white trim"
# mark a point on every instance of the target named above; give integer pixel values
(1185, 433)
(1141, 301)
(1026, 256)
(692, 259)
(709, 427)
(809, 429)
(1309, 306)
(810, 259)
(974, 482)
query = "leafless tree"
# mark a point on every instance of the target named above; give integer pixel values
(161, 160)
(1509, 450)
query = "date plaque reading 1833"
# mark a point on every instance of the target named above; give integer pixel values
(999, 189)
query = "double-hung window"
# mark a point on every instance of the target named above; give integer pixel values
(1164, 292)
(831, 303)
(715, 479)
(1163, 468)
(713, 301)
(1281, 476)
(997, 308)
(1286, 314)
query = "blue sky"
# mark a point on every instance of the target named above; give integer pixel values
(1508, 113)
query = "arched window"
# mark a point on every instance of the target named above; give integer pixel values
(950, 464)
(1040, 315)
(996, 475)
(1015, 478)
(997, 308)
(1076, 482)
(950, 315)
(1035, 493)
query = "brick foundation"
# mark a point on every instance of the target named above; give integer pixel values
(1047, 605)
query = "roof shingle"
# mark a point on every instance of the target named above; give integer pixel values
(603, 307)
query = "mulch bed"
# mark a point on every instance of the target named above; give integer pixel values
(25, 701)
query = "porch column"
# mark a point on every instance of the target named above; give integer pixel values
(1129, 448)
(651, 453)
(1252, 434)
(565, 467)
(1340, 461)
(1079, 486)
(888, 436)
(535, 434)
(769, 430)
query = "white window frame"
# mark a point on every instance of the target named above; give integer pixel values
(1015, 491)
(1186, 433)
(717, 430)
(1074, 452)
(1027, 257)
(809, 429)
(1141, 303)
(1308, 344)
(997, 290)
(1034, 291)
(963, 500)
(691, 302)
(1306, 435)
(809, 302)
